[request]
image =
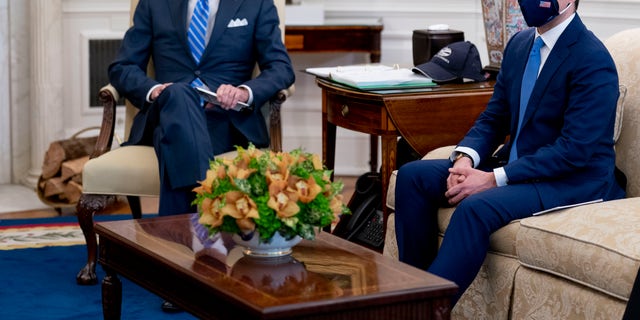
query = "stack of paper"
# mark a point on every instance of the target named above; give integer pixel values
(384, 79)
(326, 71)
(373, 77)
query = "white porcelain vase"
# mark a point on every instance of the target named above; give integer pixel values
(277, 246)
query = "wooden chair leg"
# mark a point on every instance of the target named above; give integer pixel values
(136, 208)
(87, 206)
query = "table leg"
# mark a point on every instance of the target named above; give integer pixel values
(373, 152)
(389, 150)
(328, 149)
(329, 144)
(111, 295)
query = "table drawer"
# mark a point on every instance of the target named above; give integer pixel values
(356, 114)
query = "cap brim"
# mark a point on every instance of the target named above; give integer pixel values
(475, 77)
(435, 72)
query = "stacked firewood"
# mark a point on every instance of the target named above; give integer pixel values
(61, 179)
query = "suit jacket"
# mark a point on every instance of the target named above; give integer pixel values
(159, 32)
(565, 146)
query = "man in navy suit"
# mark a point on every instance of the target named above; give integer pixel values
(564, 152)
(186, 133)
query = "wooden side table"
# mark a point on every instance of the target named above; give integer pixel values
(428, 119)
(339, 38)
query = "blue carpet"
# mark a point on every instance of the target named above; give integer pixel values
(40, 283)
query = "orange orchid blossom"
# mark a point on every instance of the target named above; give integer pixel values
(234, 204)
(307, 190)
(282, 199)
(206, 184)
(269, 192)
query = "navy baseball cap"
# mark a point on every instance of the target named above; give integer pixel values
(456, 61)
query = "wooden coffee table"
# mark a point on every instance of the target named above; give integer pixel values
(328, 278)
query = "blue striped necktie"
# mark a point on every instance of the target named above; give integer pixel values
(197, 33)
(528, 82)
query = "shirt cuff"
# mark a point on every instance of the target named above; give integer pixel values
(475, 157)
(250, 101)
(501, 177)
(148, 97)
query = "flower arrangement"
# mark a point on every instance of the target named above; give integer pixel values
(290, 193)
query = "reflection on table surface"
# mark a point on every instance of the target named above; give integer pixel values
(325, 268)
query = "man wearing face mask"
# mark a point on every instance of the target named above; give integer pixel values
(554, 102)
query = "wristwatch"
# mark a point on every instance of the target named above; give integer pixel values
(462, 154)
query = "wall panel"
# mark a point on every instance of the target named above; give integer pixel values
(84, 20)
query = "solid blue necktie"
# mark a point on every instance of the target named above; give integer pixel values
(528, 82)
(197, 33)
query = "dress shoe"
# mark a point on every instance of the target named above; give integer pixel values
(169, 307)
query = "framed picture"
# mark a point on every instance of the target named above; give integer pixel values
(502, 19)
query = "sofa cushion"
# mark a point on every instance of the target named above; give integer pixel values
(597, 245)
(539, 295)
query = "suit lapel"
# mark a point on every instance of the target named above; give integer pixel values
(226, 11)
(554, 61)
(178, 11)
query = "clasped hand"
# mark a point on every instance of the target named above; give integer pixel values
(464, 181)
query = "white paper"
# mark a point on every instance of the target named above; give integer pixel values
(326, 71)
(566, 207)
(213, 98)
(382, 79)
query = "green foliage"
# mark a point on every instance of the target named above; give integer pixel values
(268, 223)
(313, 215)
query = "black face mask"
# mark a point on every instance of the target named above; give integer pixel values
(538, 12)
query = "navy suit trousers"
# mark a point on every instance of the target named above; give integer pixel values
(182, 145)
(186, 138)
(420, 188)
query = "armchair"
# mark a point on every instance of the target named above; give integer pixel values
(111, 173)
(578, 263)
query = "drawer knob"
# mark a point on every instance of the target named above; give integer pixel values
(345, 110)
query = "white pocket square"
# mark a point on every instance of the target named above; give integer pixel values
(237, 23)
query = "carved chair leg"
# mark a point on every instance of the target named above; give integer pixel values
(87, 206)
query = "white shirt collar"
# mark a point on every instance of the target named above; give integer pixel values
(551, 37)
